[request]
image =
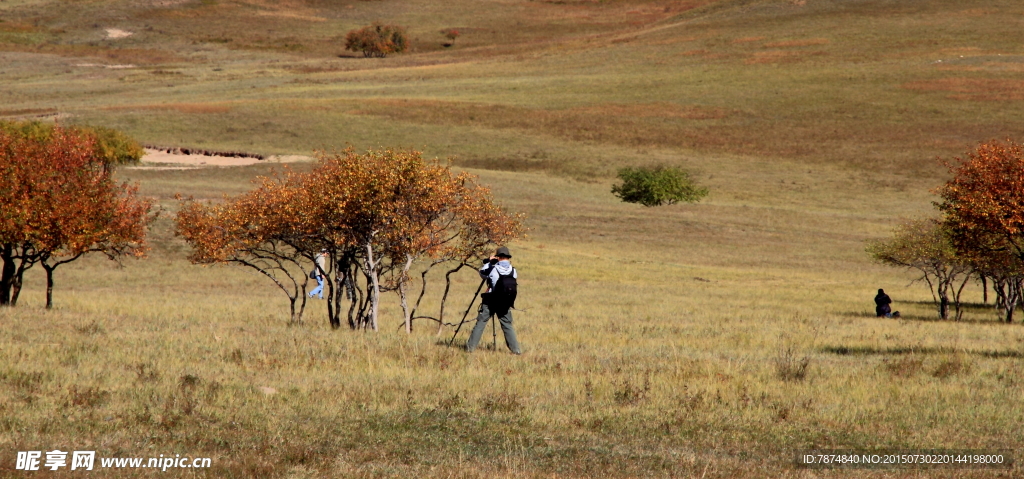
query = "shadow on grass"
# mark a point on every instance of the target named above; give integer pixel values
(871, 350)
(967, 306)
(443, 342)
(933, 317)
(460, 344)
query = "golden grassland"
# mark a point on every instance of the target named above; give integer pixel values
(658, 342)
(709, 340)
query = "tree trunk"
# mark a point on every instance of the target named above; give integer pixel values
(346, 286)
(1016, 286)
(402, 282)
(333, 304)
(371, 270)
(26, 261)
(49, 286)
(360, 310)
(444, 297)
(350, 289)
(7, 274)
(340, 266)
(16, 288)
(1010, 301)
(999, 288)
(956, 298)
(943, 307)
(984, 289)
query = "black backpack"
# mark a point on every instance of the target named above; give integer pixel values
(503, 293)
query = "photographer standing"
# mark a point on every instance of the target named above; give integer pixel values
(499, 299)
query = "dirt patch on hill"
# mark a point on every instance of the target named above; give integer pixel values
(115, 33)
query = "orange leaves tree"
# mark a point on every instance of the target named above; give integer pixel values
(377, 40)
(983, 206)
(58, 202)
(376, 214)
(251, 230)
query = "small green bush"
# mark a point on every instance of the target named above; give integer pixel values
(115, 147)
(656, 186)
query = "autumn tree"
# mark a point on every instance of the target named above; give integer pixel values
(983, 206)
(376, 214)
(384, 211)
(252, 230)
(377, 40)
(58, 202)
(924, 245)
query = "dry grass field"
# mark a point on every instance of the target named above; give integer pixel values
(707, 340)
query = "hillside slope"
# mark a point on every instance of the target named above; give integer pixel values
(878, 85)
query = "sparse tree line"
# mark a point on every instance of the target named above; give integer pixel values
(382, 217)
(979, 235)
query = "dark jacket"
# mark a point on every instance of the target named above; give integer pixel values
(882, 303)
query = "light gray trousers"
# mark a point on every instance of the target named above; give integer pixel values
(506, 327)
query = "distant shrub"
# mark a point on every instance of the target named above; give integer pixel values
(656, 186)
(377, 40)
(114, 146)
(451, 34)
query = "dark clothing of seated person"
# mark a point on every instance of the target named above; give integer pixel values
(882, 303)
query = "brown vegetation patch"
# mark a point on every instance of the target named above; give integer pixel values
(747, 40)
(952, 366)
(14, 27)
(984, 67)
(798, 43)
(315, 69)
(654, 110)
(29, 112)
(973, 89)
(905, 366)
(775, 56)
(976, 12)
(652, 123)
(190, 108)
(145, 56)
(672, 41)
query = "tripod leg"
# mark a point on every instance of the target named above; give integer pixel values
(478, 288)
(494, 333)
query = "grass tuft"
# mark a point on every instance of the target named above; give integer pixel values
(789, 365)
